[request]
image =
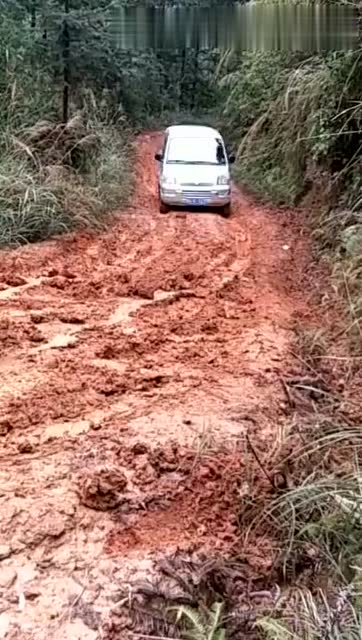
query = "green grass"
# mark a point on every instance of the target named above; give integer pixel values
(53, 180)
(201, 625)
(30, 210)
(322, 508)
(338, 233)
(309, 616)
(296, 123)
(315, 524)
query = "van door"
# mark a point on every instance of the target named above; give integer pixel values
(163, 151)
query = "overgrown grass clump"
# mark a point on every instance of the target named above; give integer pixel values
(55, 178)
(315, 523)
(294, 116)
(296, 124)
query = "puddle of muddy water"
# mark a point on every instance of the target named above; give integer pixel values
(125, 308)
(187, 427)
(110, 364)
(59, 341)
(128, 306)
(12, 291)
(61, 429)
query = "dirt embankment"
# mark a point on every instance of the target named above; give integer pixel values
(132, 365)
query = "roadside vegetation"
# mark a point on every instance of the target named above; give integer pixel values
(70, 101)
(298, 122)
(57, 177)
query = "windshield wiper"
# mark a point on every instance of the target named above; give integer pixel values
(203, 162)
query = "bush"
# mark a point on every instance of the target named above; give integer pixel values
(297, 129)
(55, 178)
(293, 115)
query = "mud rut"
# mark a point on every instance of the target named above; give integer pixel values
(123, 354)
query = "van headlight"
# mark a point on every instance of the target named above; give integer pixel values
(168, 181)
(223, 180)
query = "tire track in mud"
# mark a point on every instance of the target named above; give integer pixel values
(122, 354)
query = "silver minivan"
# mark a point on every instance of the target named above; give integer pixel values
(194, 169)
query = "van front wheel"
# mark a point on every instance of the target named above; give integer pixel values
(226, 210)
(163, 207)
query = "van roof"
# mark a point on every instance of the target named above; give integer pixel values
(191, 131)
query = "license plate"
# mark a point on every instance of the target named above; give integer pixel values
(197, 201)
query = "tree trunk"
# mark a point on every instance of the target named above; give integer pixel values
(195, 78)
(33, 14)
(182, 89)
(66, 62)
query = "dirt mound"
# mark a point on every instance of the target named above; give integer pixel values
(186, 500)
(18, 332)
(102, 489)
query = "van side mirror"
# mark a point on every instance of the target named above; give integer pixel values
(231, 158)
(158, 157)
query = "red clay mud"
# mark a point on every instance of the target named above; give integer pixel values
(190, 506)
(165, 328)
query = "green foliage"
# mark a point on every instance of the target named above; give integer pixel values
(109, 172)
(292, 120)
(29, 210)
(205, 625)
(316, 522)
(59, 58)
(42, 193)
(316, 616)
(139, 83)
(292, 112)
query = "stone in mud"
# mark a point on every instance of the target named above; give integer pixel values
(25, 446)
(36, 336)
(32, 593)
(144, 471)
(52, 272)
(139, 448)
(58, 282)
(103, 489)
(15, 280)
(37, 317)
(5, 426)
(95, 425)
(7, 577)
(5, 551)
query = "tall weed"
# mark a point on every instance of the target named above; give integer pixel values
(54, 179)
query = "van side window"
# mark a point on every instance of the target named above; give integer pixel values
(220, 155)
(164, 146)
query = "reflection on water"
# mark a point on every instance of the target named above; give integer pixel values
(242, 26)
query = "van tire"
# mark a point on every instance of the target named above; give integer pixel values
(226, 210)
(163, 207)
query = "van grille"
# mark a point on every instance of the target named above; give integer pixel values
(197, 194)
(196, 184)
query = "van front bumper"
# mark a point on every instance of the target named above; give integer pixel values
(179, 198)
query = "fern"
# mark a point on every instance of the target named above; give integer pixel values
(275, 629)
(202, 625)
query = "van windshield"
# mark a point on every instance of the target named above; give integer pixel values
(196, 151)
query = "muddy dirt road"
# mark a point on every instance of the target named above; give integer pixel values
(129, 360)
